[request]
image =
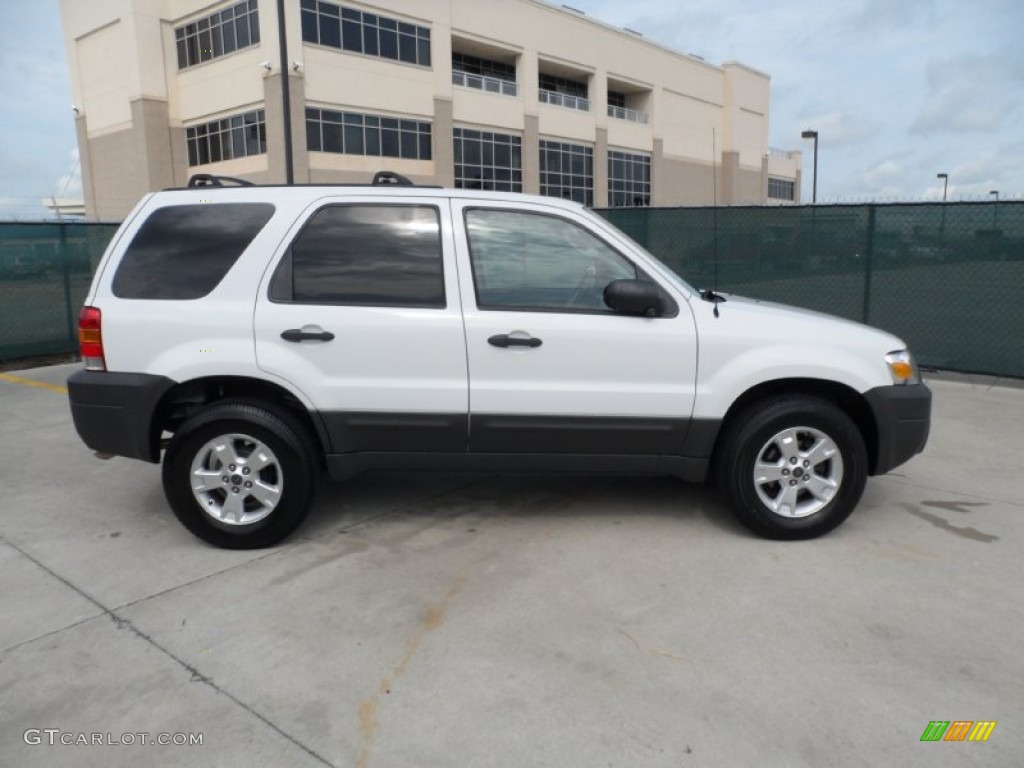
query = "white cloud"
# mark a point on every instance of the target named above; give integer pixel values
(968, 94)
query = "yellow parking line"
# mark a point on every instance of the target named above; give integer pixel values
(57, 388)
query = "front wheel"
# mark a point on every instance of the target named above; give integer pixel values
(239, 476)
(792, 468)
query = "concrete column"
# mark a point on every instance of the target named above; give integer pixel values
(442, 143)
(531, 154)
(85, 158)
(601, 168)
(729, 182)
(274, 114)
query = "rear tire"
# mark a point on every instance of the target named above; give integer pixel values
(792, 467)
(239, 475)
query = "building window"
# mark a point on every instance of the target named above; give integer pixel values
(236, 136)
(629, 179)
(368, 33)
(483, 74)
(365, 256)
(485, 160)
(349, 133)
(616, 99)
(563, 92)
(222, 33)
(567, 171)
(781, 189)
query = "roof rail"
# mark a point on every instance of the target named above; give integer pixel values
(390, 177)
(209, 180)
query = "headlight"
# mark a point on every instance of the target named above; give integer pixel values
(902, 367)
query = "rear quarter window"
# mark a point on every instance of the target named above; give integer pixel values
(184, 251)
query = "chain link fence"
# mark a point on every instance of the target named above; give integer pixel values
(948, 278)
(45, 271)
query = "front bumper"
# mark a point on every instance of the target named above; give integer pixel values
(903, 419)
(113, 412)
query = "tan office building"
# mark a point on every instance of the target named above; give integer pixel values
(501, 94)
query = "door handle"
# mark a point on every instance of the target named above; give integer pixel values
(504, 340)
(297, 334)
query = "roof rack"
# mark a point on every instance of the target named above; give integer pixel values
(209, 180)
(380, 179)
(390, 177)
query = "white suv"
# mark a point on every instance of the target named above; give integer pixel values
(262, 333)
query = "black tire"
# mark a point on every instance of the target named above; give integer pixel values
(823, 494)
(243, 425)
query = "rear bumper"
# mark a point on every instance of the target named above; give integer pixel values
(903, 417)
(113, 412)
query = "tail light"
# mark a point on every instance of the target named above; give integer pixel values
(90, 339)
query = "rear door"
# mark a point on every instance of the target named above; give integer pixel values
(361, 313)
(552, 369)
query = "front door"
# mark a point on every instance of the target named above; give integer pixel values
(551, 368)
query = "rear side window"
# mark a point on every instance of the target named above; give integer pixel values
(184, 251)
(365, 255)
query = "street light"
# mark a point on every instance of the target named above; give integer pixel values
(994, 192)
(809, 134)
(995, 209)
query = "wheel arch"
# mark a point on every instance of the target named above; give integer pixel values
(847, 399)
(188, 397)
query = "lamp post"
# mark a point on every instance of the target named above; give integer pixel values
(995, 209)
(809, 134)
(945, 188)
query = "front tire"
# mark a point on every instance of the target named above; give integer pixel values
(239, 475)
(792, 467)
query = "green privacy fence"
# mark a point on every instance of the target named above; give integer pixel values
(45, 270)
(947, 278)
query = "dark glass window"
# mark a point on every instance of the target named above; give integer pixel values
(184, 251)
(562, 85)
(567, 171)
(629, 179)
(781, 189)
(365, 255)
(216, 35)
(351, 133)
(238, 136)
(616, 99)
(357, 31)
(485, 160)
(532, 261)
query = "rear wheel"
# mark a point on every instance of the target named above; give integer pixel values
(239, 475)
(793, 467)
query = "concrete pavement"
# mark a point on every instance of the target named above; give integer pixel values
(469, 620)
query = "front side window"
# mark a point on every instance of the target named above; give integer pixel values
(184, 251)
(533, 261)
(365, 255)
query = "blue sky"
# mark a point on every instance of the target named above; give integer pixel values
(899, 90)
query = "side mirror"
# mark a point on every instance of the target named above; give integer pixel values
(633, 297)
